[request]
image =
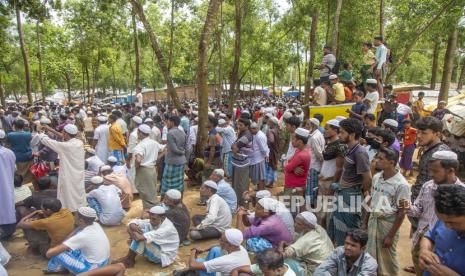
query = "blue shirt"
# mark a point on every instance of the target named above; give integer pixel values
(358, 108)
(20, 142)
(226, 192)
(449, 246)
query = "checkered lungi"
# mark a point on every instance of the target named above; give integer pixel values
(151, 251)
(311, 190)
(94, 204)
(119, 154)
(73, 261)
(227, 163)
(258, 244)
(270, 175)
(257, 172)
(173, 178)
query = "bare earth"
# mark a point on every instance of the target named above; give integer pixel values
(24, 264)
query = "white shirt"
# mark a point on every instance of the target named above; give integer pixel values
(140, 99)
(320, 95)
(101, 135)
(155, 134)
(70, 191)
(164, 134)
(165, 235)
(123, 125)
(153, 110)
(108, 198)
(92, 242)
(192, 139)
(218, 214)
(260, 148)
(373, 98)
(132, 141)
(94, 163)
(317, 146)
(148, 149)
(225, 264)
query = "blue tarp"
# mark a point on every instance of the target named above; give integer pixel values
(291, 93)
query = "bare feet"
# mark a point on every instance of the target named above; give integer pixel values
(127, 262)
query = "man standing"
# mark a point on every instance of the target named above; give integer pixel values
(132, 143)
(272, 137)
(328, 63)
(259, 154)
(228, 136)
(388, 190)
(418, 107)
(101, 134)
(71, 191)
(297, 168)
(20, 142)
(379, 67)
(146, 154)
(173, 172)
(338, 88)
(116, 139)
(355, 181)
(316, 143)
(7, 204)
(372, 96)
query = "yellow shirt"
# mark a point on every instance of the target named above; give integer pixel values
(116, 139)
(339, 94)
(368, 58)
(58, 226)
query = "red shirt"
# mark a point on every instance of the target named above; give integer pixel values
(410, 136)
(301, 159)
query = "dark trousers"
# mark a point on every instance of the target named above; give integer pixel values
(7, 230)
(207, 232)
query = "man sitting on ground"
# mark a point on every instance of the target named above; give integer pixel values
(155, 239)
(86, 249)
(178, 214)
(218, 217)
(57, 223)
(106, 201)
(224, 189)
(270, 262)
(350, 259)
(121, 181)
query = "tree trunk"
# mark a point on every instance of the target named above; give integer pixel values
(274, 79)
(202, 76)
(311, 62)
(158, 52)
(39, 58)
(136, 53)
(113, 79)
(220, 54)
(448, 65)
(337, 15)
(2, 93)
(328, 22)
(415, 37)
(68, 85)
(381, 18)
(434, 67)
(88, 82)
(170, 56)
(27, 71)
(298, 67)
(461, 77)
(95, 76)
(234, 78)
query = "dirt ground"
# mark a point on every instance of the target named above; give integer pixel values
(24, 264)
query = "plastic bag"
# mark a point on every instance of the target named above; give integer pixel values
(39, 169)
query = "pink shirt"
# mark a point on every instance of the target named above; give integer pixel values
(301, 159)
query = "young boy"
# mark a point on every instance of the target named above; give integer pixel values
(359, 109)
(410, 137)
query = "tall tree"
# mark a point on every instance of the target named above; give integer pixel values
(311, 63)
(24, 52)
(337, 16)
(136, 52)
(39, 58)
(434, 67)
(158, 52)
(234, 77)
(202, 75)
(381, 17)
(448, 65)
(461, 77)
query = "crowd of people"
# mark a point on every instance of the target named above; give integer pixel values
(68, 170)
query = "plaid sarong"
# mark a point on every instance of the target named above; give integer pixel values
(173, 178)
(73, 261)
(94, 204)
(258, 244)
(151, 251)
(270, 175)
(311, 190)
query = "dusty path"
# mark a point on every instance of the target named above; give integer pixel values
(23, 264)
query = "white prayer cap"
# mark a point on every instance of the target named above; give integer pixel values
(309, 217)
(302, 132)
(254, 125)
(268, 204)
(444, 155)
(173, 194)
(211, 114)
(102, 118)
(269, 115)
(211, 184)
(221, 122)
(112, 159)
(333, 122)
(105, 168)
(87, 212)
(222, 115)
(287, 115)
(219, 172)
(263, 194)
(292, 110)
(137, 120)
(148, 120)
(89, 112)
(71, 129)
(340, 118)
(442, 101)
(2, 134)
(195, 112)
(91, 151)
(96, 180)
(371, 81)
(145, 129)
(391, 123)
(45, 121)
(315, 121)
(333, 77)
(157, 210)
(234, 236)
(274, 120)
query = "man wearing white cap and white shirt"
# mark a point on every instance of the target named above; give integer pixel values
(94, 163)
(71, 191)
(228, 136)
(85, 250)
(100, 142)
(155, 239)
(113, 163)
(106, 202)
(372, 96)
(316, 143)
(146, 154)
(224, 189)
(132, 142)
(156, 133)
(258, 156)
(218, 217)
(218, 262)
(443, 167)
